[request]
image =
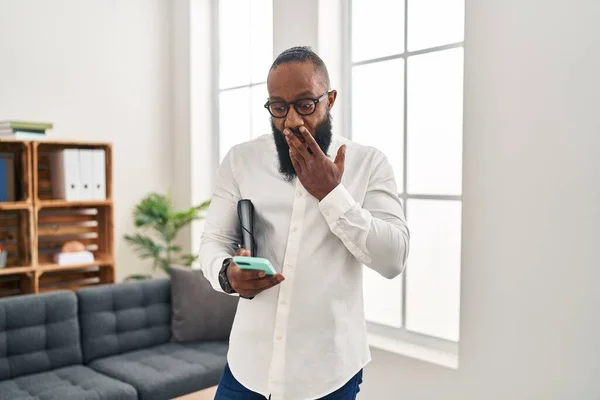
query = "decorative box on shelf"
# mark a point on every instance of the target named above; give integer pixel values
(74, 258)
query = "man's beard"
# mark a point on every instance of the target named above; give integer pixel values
(322, 136)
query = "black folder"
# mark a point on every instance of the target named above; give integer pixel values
(245, 210)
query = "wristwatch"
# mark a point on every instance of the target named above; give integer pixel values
(223, 280)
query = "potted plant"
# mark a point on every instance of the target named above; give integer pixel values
(160, 223)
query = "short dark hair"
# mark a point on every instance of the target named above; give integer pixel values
(299, 54)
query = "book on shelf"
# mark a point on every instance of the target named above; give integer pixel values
(78, 174)
(7, 177)
(23, 135)
(26, 125)
(24, 130)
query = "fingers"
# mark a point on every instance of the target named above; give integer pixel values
(296, 160)
(247, 275)
(313, 147)
(295, 143)
(340, 158)
(242, 252)
(258, 285)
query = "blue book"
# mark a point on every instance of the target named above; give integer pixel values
(3, 179)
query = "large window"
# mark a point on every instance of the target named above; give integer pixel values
(245, 54)
(406, 81)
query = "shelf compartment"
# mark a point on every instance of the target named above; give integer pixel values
(42, 152)
(90, 225)
(16, 237)
(19, 155)
(71, 279)
(15, 285)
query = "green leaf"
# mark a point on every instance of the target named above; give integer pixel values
(204, 205)
(183, 218)
(188, 259)
(144, 245)
(153, 211)
(174, 247)
(138, 277)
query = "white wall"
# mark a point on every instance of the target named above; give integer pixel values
(100, 70)
(530, 328)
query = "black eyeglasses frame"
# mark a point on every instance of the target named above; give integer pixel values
(295, 105)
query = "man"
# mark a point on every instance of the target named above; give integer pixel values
(324, 207)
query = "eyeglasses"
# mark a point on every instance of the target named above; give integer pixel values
(279, 109)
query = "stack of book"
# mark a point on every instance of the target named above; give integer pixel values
(24, 130)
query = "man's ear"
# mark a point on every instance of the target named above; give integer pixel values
(331, 98)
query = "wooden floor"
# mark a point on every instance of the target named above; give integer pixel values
(206, 394)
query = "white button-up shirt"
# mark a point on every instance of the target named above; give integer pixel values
(306, 337)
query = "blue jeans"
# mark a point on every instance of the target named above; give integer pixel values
(230, 389)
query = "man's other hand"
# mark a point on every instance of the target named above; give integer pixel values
(317, 173)
(250, 283)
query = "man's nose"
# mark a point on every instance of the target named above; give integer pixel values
(293, 119)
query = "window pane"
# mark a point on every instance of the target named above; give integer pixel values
(260, 116)
(382, 298)
(234, 118)
(234, 43)
(261, 39)
(435, 23)
(378, 110)
(435, 99)
(433, 270)
(377, 28)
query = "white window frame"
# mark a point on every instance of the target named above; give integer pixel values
(216, 87)
(401, 341)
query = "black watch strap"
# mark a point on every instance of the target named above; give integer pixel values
(223, 280)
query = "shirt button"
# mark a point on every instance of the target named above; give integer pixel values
(279, 337)
(294, 229)
(299, 194)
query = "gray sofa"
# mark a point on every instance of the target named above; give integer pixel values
(106, 342)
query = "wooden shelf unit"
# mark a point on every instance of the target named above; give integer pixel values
(35, 227)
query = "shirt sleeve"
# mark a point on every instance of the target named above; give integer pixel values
(376, 233)
(221, 227)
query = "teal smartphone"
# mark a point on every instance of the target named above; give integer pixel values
(254, 263)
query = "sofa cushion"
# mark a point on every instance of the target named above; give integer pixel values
(199, 312)
(169, 370)
(118, 318)
(69, 383)
(38, 333)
